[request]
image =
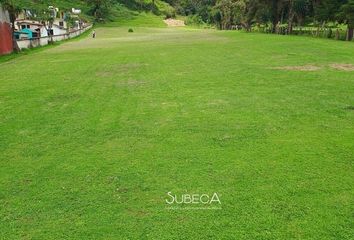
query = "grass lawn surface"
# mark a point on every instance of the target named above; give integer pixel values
(94, 133)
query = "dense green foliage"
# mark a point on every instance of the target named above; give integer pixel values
(280, 15)
(228, 14)
(100, 10)
(41, 7)
(94, 133)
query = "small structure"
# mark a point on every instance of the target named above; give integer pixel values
(31, 33)
(20, 35)
(76, 11)
(25, 14)
(78, 23)
(56, 30)
(61, 21)
(40, 28)
(59, 17)
(59, 26)
(6, 44)
(23, 23)
(35, 29)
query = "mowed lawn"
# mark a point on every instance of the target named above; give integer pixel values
(95, 132)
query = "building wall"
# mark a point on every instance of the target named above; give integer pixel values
(5, 33)
(58, 20)
(33, 26)
(44, 32)
(30, 43)
(58, 31)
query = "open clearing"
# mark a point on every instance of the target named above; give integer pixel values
(174, 22)
(94, 133)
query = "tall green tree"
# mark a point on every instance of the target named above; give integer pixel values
(347, 13)
(46, 16)
(296, 10)
(100, 8)
(14, 9)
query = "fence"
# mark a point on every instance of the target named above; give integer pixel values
(331, 33)
(42, 41)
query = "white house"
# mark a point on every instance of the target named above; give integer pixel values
(23, 23)
(59, 17)
(76, 11)
(61, 22)
(35, 26)
(58, 27)
(44, 29)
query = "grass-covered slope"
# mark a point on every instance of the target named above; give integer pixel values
(61, 4)
(132, 13)
(126, 17)
(94, 133)
(120, 11)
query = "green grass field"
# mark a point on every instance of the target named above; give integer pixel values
(94, 133)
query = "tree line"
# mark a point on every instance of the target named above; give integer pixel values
(229, 14)
(279, 16)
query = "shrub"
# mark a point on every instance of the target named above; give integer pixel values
(194, 20)
(170, 13)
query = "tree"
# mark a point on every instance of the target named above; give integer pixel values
(46, 17)
(297, 10)
(347, 13)
(14, 9)
(100, 8)
(275, 6)
(326, 10)
(233, 12)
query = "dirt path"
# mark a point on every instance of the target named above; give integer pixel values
(174, 22)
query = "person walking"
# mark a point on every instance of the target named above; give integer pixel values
(93, 34)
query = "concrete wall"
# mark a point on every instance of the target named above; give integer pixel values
(44, 40)
(58, 20)
(5, 33)
(58, 31)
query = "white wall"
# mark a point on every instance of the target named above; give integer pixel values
(44, 32)
(58, 31)
(57, 20)
(18, 25)
(4, 15)
(44, 40)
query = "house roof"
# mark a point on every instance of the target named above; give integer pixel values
(20, 32)
(57, 26)
(27, 30)
(28, 22)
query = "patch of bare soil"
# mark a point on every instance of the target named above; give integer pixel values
(174, 22)
(342, 66)
(112, 70)
(131, 83)
(218, 102)
(306, 68)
